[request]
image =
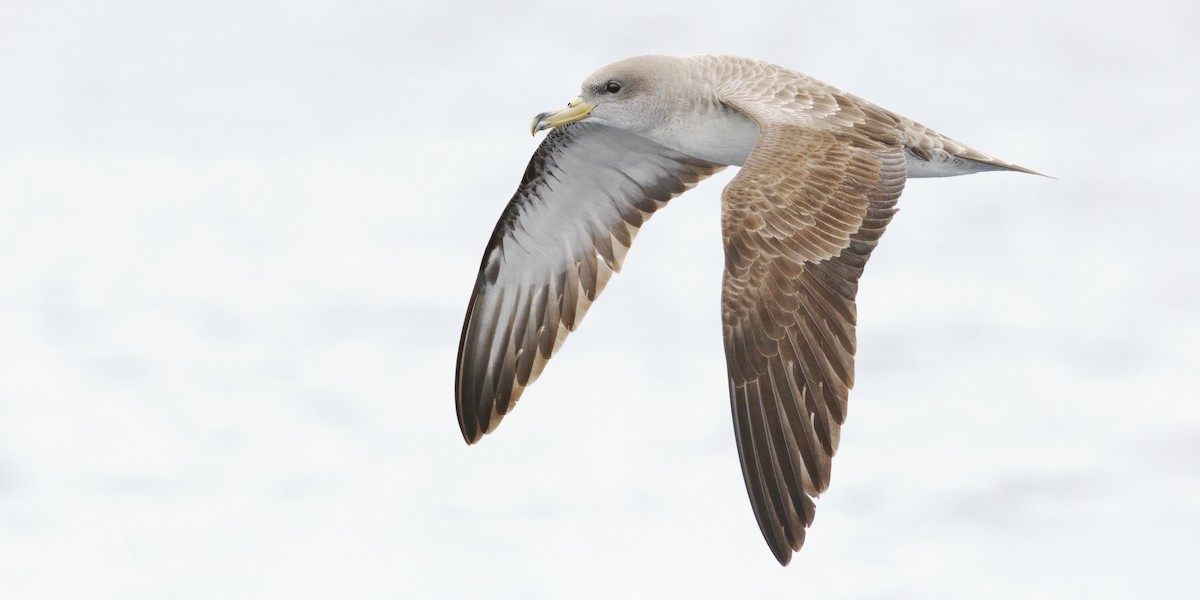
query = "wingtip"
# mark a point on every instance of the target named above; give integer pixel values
(783, 548)
(471, 435)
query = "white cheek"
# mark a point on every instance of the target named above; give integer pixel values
(616, 115)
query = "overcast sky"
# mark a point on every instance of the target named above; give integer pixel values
(238, 239)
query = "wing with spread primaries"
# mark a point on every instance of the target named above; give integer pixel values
(799, 222)
(587, 191)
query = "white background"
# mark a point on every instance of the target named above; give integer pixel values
(237, 241)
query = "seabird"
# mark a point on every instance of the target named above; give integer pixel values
(820, 174)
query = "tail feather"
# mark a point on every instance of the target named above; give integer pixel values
(931, 154)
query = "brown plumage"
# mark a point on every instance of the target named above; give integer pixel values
(822, 171)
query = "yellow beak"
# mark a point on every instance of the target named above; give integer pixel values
(576, 110)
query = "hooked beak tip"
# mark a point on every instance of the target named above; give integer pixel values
(576, 110)
(539, 123)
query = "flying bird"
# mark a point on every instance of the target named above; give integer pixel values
(820, 174)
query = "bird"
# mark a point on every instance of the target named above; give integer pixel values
(820, 174)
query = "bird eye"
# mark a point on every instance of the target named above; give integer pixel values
(612, 87)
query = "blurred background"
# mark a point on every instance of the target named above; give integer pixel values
(238, 238)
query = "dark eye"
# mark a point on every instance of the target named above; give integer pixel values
(612, 87)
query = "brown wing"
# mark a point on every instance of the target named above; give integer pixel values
(799, 221)
(587, 190)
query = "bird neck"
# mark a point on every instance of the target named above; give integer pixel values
(711, 131)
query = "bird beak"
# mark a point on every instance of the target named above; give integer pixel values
(576, 110)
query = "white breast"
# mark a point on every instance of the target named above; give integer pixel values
(722, 135)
